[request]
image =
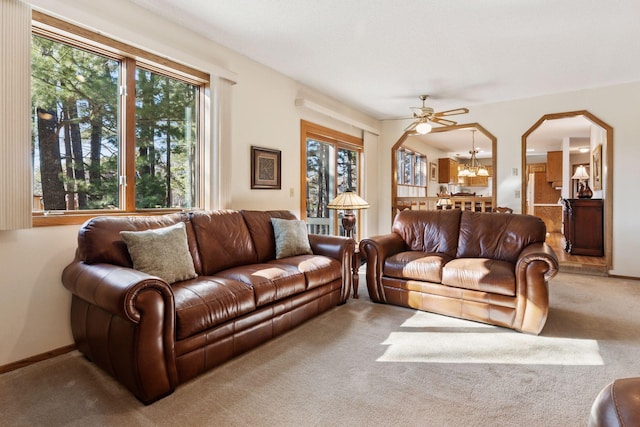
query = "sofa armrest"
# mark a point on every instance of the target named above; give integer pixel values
(376, 250)
(124, 321)
(341, 249)
(536, 265)
(617, 404)
(539, 252)
(113, 288)
(337, 247)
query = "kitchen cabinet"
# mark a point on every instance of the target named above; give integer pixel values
(583, 226)
(447, 171)
(554, 168)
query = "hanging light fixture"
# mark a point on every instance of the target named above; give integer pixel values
(423, 127)
(473, 168)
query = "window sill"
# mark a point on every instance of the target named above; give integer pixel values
(41, 219)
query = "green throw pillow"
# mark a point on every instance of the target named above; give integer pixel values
(162, 252)
(291, 237)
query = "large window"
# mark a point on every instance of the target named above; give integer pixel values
(412, 168)
(114, 128)
(331, 166)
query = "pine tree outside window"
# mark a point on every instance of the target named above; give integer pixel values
(111, 132)
(331, 166)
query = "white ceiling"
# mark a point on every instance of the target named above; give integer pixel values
(378, 56)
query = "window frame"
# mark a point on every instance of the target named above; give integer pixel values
(131, 58)
(338, 140)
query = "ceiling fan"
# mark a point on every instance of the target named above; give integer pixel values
(426, 114)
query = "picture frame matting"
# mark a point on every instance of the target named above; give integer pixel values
(266, 169)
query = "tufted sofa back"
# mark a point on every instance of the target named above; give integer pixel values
(467, 234)
(261, 230)
(223, 240)
(498, 236)
(218, 239)
(429, 231)
(99, 238)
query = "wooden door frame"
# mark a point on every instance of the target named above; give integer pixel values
(403, 138)
(607, 167)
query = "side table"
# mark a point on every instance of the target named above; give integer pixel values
(355, 267)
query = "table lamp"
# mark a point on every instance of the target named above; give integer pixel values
(348, 202)
(584, 192)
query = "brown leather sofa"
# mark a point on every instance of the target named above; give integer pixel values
(617, 405)
(487, 267)
(152, 336)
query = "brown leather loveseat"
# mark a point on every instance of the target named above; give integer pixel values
(487, 267)
(151, 335)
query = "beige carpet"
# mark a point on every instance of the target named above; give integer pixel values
(374, 365)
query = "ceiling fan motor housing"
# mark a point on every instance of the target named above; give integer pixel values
(424, 112)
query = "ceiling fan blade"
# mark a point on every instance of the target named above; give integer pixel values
(451, 112)
(411, 127)
(443, 122)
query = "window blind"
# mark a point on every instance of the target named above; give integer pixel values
(15, 107)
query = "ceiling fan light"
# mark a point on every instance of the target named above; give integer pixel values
(423, 128)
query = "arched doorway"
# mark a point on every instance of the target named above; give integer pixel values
(436, 151)
(552, 150)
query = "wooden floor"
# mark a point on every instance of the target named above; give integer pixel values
(575, 263)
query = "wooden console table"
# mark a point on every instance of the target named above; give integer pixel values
(583, 226)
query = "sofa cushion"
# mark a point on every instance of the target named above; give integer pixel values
(429, 231)
(498, 236)
(481, 274)
(318, 270)
(270, 282)
(291, 237)
(416, 265)
(223, 240)
(161, 252)
(208, 301)
(261, 230)
(99, 238)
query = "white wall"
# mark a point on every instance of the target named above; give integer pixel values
(34, 307)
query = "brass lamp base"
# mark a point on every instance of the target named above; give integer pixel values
(584, 192)
(348, 222)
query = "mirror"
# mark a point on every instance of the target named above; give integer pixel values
(553, 150)
(425, 169)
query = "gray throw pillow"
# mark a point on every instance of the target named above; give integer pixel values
(162, 252)
(291, 237)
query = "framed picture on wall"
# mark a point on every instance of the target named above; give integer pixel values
(596, 162)
(265, 168)
(433, 172)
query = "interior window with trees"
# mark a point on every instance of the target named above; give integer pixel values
(111, 132)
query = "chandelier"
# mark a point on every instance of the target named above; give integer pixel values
(473, 168)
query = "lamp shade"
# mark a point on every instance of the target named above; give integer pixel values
(581, 173)
(483, 171)
(348, 201)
